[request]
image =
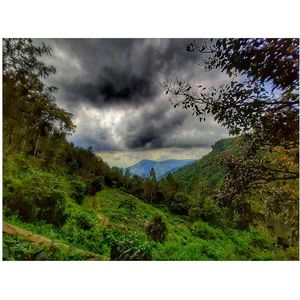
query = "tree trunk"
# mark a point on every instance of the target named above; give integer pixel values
(23, 145)
(36, 146)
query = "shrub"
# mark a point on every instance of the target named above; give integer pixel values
(52, 208)
(204, 231)
(15, 248)
(128, 204)
(82, 231)
(157, 229)
(79, 190)
(36, 196)
(94, 186)
(261, 238)
(179, 204)
(130, 247)
(84, 220)
(210, 211)
(194, 213)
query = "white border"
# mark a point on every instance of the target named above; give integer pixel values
(148, 280)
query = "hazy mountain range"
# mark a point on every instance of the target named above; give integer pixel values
(161, 168)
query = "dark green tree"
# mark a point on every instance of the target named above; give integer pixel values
(30, 114)
(179, 204)
(157, 229)
(151, 187)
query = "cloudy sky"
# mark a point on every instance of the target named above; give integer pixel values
(113, 89)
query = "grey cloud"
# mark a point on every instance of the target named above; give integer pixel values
(124, 75)
(166, 127)
(117, 71)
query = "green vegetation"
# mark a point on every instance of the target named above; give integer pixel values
(18, 249)
(207, 173)
(119, 226)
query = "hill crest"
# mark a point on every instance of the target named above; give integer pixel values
(161, 168)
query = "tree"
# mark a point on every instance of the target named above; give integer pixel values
(157, 229)
(259, 103)
(151, 187)
(179, 204)
(30, 114)
(169, 187)
(246, 104)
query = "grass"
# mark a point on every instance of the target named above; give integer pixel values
(185, 240)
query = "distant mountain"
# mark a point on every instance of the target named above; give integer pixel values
(161, 168)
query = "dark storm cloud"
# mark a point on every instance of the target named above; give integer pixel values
(112, 86)
(149, 130)
(118, 71)
(164, 127)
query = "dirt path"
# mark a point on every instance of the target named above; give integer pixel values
(41, 240)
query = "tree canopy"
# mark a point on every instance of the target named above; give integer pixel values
(263, 87)
(30, 111)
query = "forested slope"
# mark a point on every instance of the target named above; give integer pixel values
(207, 173)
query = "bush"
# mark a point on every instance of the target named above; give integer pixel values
(79, 190)
(83, 220)
(157, 229)
(82, 231)
(179, 204)
(128, 204)
(130, 247)
(94, 186)
(52, 208)
(194, 213)
(261, 238)
(36, 196)
(204, 231)
(210, 211)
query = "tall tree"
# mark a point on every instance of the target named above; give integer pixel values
(29, 109)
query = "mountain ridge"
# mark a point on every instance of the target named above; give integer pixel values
(162, 168)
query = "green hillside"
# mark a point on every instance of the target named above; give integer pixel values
(206, 174)
(114, 225)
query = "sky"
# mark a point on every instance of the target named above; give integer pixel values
(113, 89)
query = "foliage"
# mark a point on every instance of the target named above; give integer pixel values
(30, 114)
(179, 204)
(83, 220)
(36, 196)
(204, 231)
(243, 105)
(260, 102)
(79, 190)
(128, 204)
(16, 249)
(82, 231)
(113, 224)
(94, 186)
(157, 229)
(130, 247)
(210, 211)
